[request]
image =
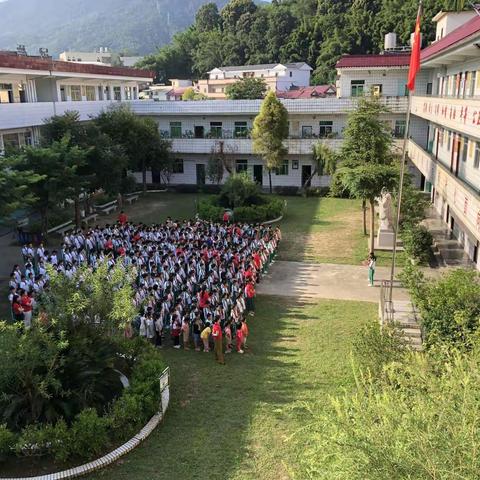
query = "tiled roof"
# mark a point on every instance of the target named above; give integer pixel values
(461, 33)
(307, 92)
(265, 66)
(383, 60)
(7, 60)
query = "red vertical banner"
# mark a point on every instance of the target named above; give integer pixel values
(415, 55)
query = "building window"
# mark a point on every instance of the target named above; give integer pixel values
(241, 166)
(464, 145)
(28, 138)
(429, 88)
(117, 94)
(307, 131)
(476, 158)
(291, 74)
(357, 88)
(441, 134)
(90, 93)
(216, 129)
(11, 141)
(473, 78)
(449, 139)
(128, 93)
(399, 131)
(135, 93)
(241, 130)
(106, 93)
(377, 90)
(76, 93)
(326, 128)
(63, 94)
(177, 166)
(175, 129)
(282, 169)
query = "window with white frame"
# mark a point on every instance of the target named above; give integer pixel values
(76, 93)
(307, 131)
(128, 93)
(241, 129)
(117, 94)
(90, 93)
(282, 169)
(63, 93)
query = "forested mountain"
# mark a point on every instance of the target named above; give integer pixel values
(315, 31)
(135, 26)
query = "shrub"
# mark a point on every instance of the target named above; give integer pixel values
(417, 242)
(127, 416)
(89, 433)
(239, 190)
(7, 441)
(259, 213)
(43, 439)
(374, 348)
(208, 211)
(422, 420)
(286, 190)
(318, 191)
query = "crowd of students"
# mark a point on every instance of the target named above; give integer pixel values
(195, 280)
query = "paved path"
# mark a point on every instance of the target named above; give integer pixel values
(339, 282)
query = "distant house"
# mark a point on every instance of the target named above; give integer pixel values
(316, 91)
(277, 76)
(171, 92)
(101, 56)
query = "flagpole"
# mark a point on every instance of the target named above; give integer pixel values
(400, 192)
(412, 73)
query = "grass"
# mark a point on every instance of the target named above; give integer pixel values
(326, 230)
(236, 421)
(316, 230)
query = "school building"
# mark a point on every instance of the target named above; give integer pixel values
(447, 103)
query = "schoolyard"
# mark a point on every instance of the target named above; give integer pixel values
(245, 420)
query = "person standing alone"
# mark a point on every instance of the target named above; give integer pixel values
(372, 261)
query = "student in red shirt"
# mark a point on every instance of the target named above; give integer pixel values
(26, 302)
(122, 218)
(249, 294)
(17, 309)
(218, 340)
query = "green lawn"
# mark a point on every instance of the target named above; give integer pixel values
(318, 230)
(326, 230)
(236, 421)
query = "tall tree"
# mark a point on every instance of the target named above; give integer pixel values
(59, 167)
(16, 185)
(270, 129)
(246, 89)
(139, 137)
(367, 156)
(207, 18)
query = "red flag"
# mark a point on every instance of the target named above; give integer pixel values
(415, 55)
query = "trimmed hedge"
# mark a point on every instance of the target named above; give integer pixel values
(270, 209)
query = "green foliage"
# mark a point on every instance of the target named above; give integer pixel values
(208, 210)
(89, 433)
(239, 190)
(139, 138)
(417, 242)
(190, 94)
(246, 89)
(449, 307)
(420, 422)
(7, 441)
(414, 205)
(16, 186)
(270, 210)
(374, 348)
(270, 129)
(215, 169)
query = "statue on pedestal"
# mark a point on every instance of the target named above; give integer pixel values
(385, 230)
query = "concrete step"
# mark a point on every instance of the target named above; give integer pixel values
(412, 332)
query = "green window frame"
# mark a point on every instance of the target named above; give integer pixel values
(282, 169)
(176, 129)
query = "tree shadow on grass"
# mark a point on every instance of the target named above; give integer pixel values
(205, 434)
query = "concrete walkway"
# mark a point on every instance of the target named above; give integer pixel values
(338, 282)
